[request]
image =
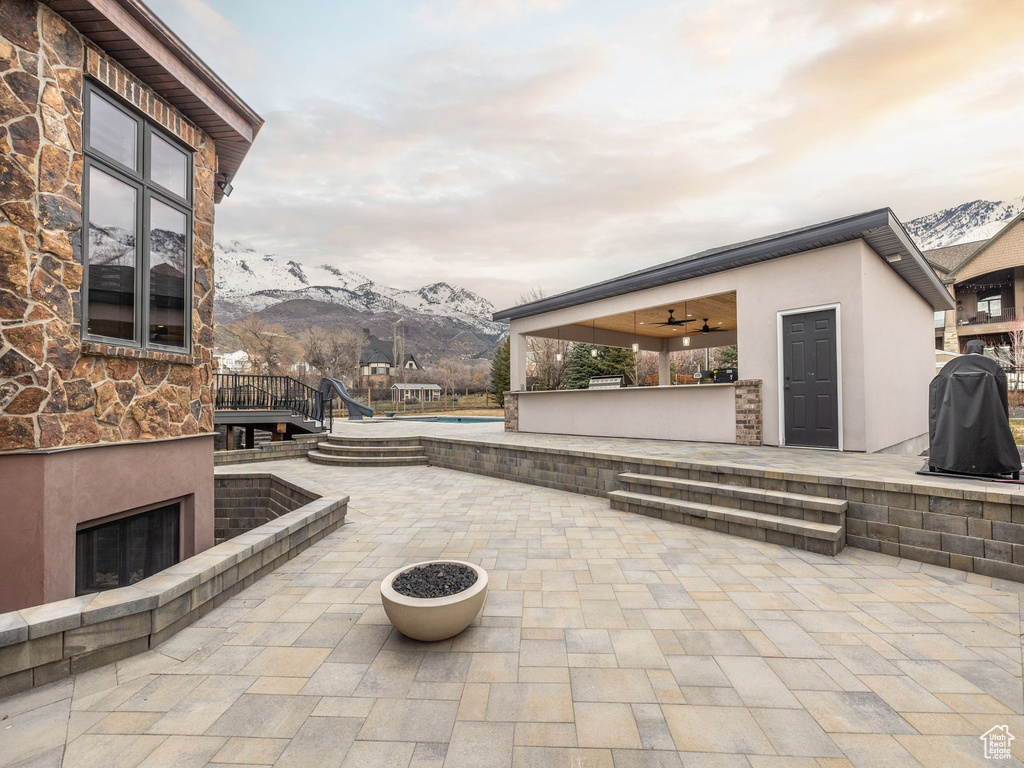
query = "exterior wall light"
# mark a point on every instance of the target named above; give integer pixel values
(593, 352)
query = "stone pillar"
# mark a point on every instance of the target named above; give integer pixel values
(511, 411)
(950, 339)
(749, 414)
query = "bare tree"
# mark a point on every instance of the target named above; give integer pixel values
(480, 379)
(1016, 333)
(447, 373)
(270, 349)
(332, 353)
(646, 368)
(547, 360)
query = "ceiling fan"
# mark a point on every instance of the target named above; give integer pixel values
(673, 320)
(707, 329)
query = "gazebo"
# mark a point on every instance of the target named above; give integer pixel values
(424, 393)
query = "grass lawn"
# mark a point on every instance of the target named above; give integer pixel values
(1017, 427)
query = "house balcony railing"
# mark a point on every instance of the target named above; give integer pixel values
(983, 317)
(243, 391)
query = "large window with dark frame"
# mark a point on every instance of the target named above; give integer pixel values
(127, 550)
(137, 189)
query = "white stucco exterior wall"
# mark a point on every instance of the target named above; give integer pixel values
(899, 357)
(875, 413)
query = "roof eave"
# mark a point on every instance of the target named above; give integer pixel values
(861, 226)
(128, 31)
(978, 251)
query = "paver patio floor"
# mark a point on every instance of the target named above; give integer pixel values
(607, 640)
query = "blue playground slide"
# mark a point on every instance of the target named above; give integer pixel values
(356, 410)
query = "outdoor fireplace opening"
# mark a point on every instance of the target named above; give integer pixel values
(127, 550)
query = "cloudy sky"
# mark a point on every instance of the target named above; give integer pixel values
(511, 144)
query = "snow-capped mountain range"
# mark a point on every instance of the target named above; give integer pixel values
(965, 223)
(248, 280)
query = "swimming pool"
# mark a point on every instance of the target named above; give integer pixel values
(453, 419)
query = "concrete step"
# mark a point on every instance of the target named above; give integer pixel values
(371, 450)
(804, 534)
(317, 457)
(372, 441)
(717, 493)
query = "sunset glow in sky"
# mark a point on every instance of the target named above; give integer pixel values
(507, 144)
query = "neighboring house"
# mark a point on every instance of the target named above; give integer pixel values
(232, 362)
(986, 278)
(377, 367)
(118, 141)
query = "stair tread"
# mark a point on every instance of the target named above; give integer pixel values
(397, 449)
(725, 489)
(329, 458)
(348, 440)
(731, 514)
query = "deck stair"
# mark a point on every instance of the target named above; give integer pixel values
(814, 523)
(369, 452)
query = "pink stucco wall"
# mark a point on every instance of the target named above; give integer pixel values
(46, 496)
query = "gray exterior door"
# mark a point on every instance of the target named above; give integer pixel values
(810, 380)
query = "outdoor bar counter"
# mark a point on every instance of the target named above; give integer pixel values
(705, 412)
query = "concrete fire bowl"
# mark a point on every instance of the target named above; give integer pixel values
(433, 618)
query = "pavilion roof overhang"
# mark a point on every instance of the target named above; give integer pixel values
(880, 229)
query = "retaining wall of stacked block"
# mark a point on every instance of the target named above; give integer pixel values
(962, 526)
(296, 448)
(48, 642)
(246, 501)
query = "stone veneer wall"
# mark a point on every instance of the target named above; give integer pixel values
(979, 531)
(55, 390)
(52, 641)
(243, 502)
(749, 418)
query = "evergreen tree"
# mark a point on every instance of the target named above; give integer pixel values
(616, 361)
(501, 371)
(610, 361)
(582, 365)
(727, 357)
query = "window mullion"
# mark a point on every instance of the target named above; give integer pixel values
(144, 260)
